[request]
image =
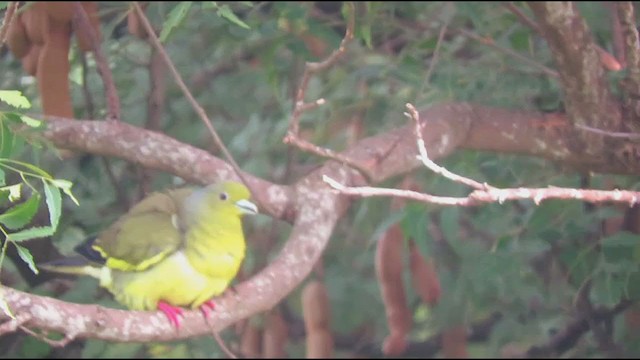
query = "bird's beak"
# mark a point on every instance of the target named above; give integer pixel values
(247, 207)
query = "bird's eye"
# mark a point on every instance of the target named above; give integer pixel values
(223, 196)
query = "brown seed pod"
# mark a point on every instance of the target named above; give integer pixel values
(394, 344)
(608, 61)
(316, 313)
(59, 11)
(389, 267)
(53, 72)
(250, 343)
(275, 335)
(424, 276)
(454, 342)
(30, 61)
(36, 23)
(315, 306)
(82, 35)
(17, 38)
(319, 345)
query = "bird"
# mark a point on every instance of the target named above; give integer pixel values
(174, 249)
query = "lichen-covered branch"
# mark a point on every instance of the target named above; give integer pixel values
(310, 204)
(587, 97)
(318, 210)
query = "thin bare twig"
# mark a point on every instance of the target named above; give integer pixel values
(522, 16)
(434, 58)
(489, 42)
(198, 109)
(413, 114)
(6, 22)
(620, 135)
(122, 199)
(300, 106)
(13, 324)
(608, 60)
(311, 68)
(218, 339)
(493, 195)
(223, 346)
(54, 343)
(155, 109)
(113, 101)
(18, 323)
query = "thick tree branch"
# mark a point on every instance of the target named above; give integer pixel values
(318, 210)
(567, 338)
(158, 151)
(587, 98)
(310, 204)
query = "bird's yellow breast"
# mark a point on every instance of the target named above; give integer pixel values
(173, 280)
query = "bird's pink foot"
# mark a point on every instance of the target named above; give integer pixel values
(173, 313)
(207, 306)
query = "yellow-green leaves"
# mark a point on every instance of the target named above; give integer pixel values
(15, 99)
(21, 214)
(175, 18)
(179, 12)
(16, 216)
(225, 12)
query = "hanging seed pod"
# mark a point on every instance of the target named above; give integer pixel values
(250, 343)
(316, 313)
(454, 342)
(30, 61)
(275, 335)
(53, 71)
(59, 11)
(424, 276)
(17, 38)
(389, 268)
(82, 36)
(36, 23)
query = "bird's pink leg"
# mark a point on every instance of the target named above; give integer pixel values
(207, 306)
(173, 313)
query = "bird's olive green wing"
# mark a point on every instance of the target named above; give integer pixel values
(148, 233)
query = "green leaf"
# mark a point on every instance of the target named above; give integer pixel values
(3, 5)
(225, 12)
(607, 290)
(34, 348)
(621, 239)
(54, 203)
(15, 99)
(6, 140)
(4, 306)
(29, 121)
(21, 214)
(13, 190)
(175, 18)
(206, 5)
(449, 222)
(365, 35)
(34, 169)
(26, 256)
(389, 221)
(65, 185)
(31, 233)
(414, 226)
